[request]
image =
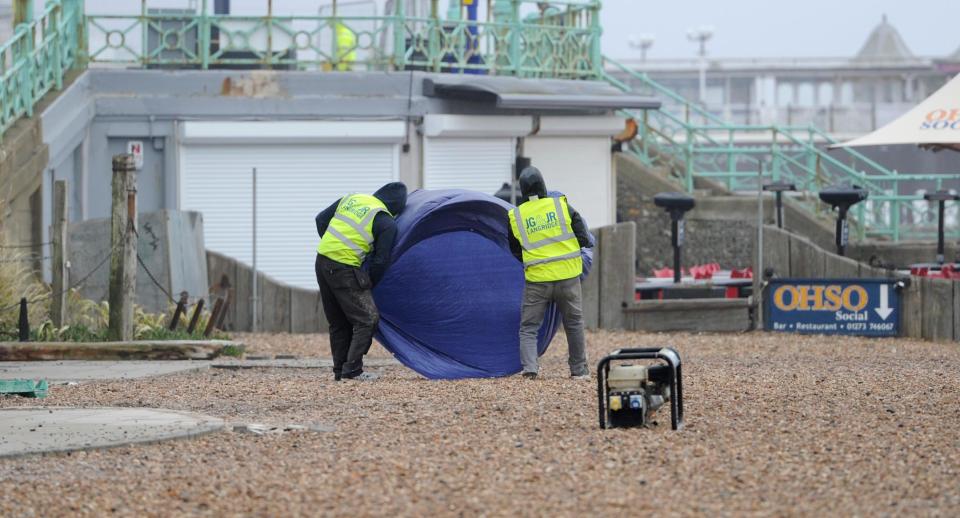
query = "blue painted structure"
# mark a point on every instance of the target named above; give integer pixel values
(450, 301)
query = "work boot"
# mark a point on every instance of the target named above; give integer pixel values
(363, 376)
(530, 375)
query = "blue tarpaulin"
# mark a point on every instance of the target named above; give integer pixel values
(450, 300)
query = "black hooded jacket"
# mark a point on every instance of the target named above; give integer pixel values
(532, 184)
(394, 196)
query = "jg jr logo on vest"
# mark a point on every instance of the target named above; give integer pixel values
(351, 206)
(543, 222)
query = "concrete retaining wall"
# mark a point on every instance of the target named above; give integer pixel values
(930, 307)
(610, 286)
(720, 222)
(170, 244)
(706, 240)
(790, 255)
(284, 308)
(694, 315)
(903, 254)
(606, 291)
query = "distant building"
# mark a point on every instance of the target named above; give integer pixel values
(845, 96)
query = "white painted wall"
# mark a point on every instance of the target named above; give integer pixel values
(581, 168)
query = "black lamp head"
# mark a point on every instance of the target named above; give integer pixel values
(676, 203)
(843, 196)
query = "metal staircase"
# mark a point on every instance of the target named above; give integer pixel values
(694, 143)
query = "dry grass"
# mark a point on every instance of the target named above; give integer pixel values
(18, 279)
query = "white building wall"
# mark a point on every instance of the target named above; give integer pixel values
(573, 153)
(581, 168)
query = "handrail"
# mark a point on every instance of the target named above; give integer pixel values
(562, 44)
(856, 154)
(725, 126)
(662, 90)
(36, 58)
(793, 150)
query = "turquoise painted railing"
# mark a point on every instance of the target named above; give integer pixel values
(563, 44)
(35, 60)
(694, 143)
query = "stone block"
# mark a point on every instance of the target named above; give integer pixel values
(591, 288)
(838, 267)
(617, 272)
(776, 251)
(806, 259)
(912, 310)
(937, 320)
(698, 315)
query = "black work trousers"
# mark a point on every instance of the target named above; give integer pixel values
(350, 311)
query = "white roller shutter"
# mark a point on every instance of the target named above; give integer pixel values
(479, 164)
(294, 183)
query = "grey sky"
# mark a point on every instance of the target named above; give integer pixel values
(778, 28)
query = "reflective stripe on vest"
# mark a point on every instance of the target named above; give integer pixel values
(525, 239)
(349, 238)
(571, 255)
(546, 257)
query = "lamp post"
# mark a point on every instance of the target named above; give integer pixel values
(702, 35)
(642, 42)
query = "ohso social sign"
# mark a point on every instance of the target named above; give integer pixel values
(868, 307)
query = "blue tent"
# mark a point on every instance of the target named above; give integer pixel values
(450, 300)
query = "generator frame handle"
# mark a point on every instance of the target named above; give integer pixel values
(668, 355)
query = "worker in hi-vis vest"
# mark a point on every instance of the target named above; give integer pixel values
(547, 235)
(346, 47)
(356, 229)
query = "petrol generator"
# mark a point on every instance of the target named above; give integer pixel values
(629, 395)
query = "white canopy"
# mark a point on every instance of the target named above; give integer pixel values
(934, 123)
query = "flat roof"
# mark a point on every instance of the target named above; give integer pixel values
(535, 94)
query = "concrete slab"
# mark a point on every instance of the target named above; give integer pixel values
(136, 350)
(58, 372)
(25, 431)
(298, 363)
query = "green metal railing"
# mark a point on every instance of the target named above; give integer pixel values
(563, 45)
(694, 143)
(515, 39)
(37, 57)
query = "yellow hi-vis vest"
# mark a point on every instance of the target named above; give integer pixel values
(346, 46)
(349, 236)
(550, 250)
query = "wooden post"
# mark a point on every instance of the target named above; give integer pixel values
(123, 256)
(24, 324)
(60, 280)
(214, 317)
(196, 317)
(177, 313)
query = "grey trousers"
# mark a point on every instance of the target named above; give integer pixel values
(536, 297)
